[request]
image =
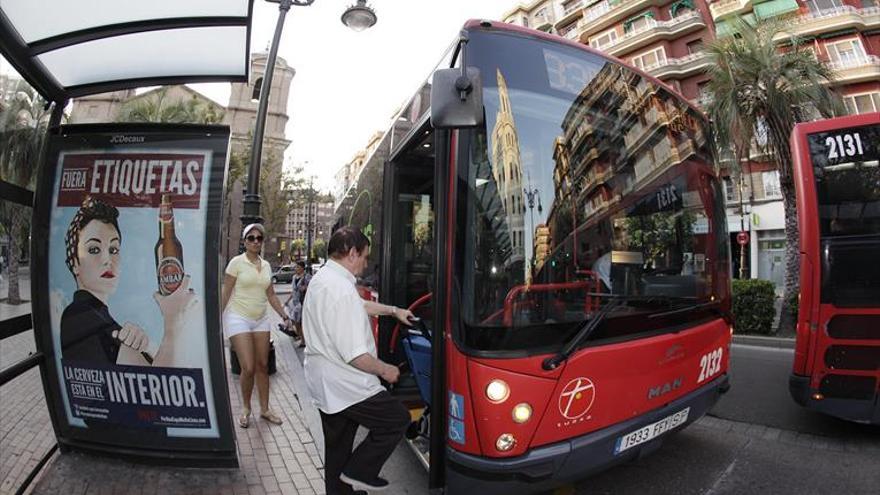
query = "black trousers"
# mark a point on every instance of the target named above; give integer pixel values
(386, 419)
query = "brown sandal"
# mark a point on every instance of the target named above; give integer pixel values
(271, 417)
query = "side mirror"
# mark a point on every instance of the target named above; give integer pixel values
(456, 99)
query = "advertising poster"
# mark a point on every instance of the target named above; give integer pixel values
(131, 274)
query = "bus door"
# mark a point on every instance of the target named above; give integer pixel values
(408, 270)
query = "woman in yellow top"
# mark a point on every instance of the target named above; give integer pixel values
(247, 288)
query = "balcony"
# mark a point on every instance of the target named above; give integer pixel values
(679, 67)
(542, 22)
(728, 8)
(640, 134)
(654, 31)
(578, 135)
(570, 14)
(836, 19)
(607, 13)
(592, 180)
(855, 70)
(570, 31)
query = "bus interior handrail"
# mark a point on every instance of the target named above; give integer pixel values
(589, 304)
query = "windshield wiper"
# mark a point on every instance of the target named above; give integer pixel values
(551, 363)
(617, 300)
(684, 309)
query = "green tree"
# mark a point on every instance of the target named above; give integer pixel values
(23, 120)
(760, 89)
(297, 246)
(276, 188)
(319, 249)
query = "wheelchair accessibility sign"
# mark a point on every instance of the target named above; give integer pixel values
(456, 415)
(456, 431)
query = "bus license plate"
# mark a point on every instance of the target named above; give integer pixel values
(651, 431)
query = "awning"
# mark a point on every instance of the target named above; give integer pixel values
(628, 23)
(66, 49)
(681, 4)
(728, 27)
(774, 8)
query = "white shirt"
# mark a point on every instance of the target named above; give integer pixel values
(337, 330)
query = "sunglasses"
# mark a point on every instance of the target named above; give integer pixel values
(254, 238)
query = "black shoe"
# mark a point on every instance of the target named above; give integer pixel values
(375, 485)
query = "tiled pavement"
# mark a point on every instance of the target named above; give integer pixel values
(272, 459)
(284, 459)
(25, 429)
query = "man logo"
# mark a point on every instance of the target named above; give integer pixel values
(577, 398)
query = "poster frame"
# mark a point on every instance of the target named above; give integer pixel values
(132, 444)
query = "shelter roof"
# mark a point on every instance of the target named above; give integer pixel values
(70, 48)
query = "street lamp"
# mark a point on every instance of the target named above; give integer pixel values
(309, 224)
(359, 17)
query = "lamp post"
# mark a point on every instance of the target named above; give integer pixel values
(309, 224)
(357, 17)
(531, 194)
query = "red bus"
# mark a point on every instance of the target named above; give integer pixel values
(837, 179)
(555, 219)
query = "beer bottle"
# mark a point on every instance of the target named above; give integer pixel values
(169, 252)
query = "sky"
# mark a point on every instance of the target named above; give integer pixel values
(348, 85)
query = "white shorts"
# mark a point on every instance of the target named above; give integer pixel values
(234, 324)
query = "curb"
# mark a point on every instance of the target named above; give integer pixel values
(761, 341)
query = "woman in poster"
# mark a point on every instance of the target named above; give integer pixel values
(247, 289)
(89, 333)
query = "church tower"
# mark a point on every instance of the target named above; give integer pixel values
(507, 171)
(241, 116)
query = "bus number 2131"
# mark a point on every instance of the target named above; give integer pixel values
(844, 146)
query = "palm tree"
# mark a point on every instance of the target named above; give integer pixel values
(758, 89)
(297, 246)
(23, 120)
(157, 107)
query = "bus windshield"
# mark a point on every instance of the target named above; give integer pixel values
(846, 166)
(588, 184)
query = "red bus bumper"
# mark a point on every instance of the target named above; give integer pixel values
(861, 407)
(545, 467)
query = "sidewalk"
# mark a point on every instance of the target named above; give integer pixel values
(764, 341)
(284, 459)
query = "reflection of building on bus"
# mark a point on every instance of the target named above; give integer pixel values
(668, 39)
(542, 246)
(621, 136)
(507, 171)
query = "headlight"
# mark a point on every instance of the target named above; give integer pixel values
(522, 413)
(497, 391)
(505, 442)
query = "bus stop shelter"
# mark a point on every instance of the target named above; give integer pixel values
(65, 50)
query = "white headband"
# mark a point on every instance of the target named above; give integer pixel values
(250, 227)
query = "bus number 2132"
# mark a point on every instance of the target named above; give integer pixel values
(710, 364)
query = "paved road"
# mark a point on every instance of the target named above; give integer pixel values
(759, 395)
(756, 440)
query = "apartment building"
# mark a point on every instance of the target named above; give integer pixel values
(666, 39)
(349, 172)
(316, 216)
(843, 33)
